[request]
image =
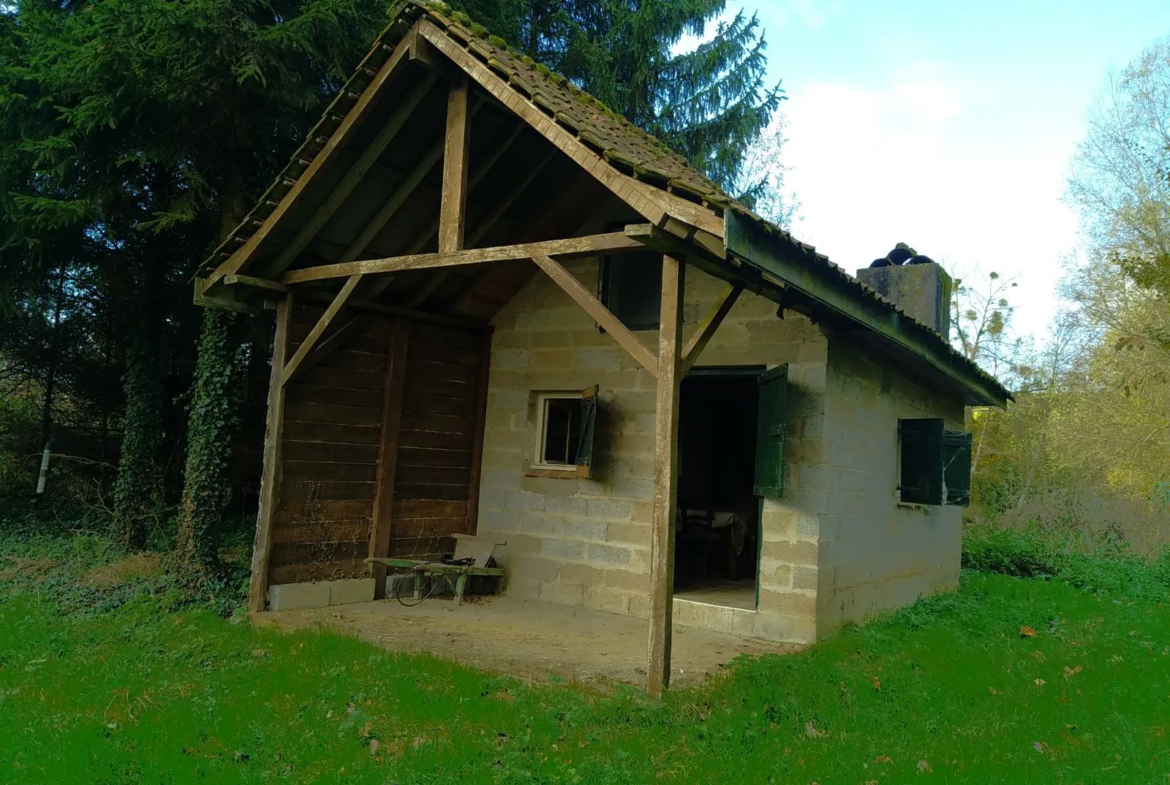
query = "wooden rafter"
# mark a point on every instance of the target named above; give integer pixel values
(428, 232)
(342, 190)
(665, 478)
(706, 330)
(359, 111)
(590, 245)
(319, 328)
(484, 226)
(652, 203)
(599, 313)
(453, 207)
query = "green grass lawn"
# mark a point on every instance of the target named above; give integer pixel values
(947, 691)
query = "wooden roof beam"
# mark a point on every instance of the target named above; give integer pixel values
(354, 176)
(589, 245)
(427, 233)
(360, 110)
(708, 327)
(483, 227)
(600, 314)
(453, 207)
(652, 203)
(319, 329)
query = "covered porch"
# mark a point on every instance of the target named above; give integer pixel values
(530, 639)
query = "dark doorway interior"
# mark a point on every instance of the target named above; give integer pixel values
(717, 530)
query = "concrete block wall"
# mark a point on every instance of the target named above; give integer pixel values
(876, 554)
(587, 542)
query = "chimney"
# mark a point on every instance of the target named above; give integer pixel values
(914, 283)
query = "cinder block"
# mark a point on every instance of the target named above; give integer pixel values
(791, 552)
(584, 574)
(785, 629)
(534, 568)
(350, 591)
(607, 600)
(562, 593)
(804, 578)
(599, 358)
(290, 596)
(627, 580)
(628, 533)
(610, 509)
(563, 549)
(609, 554)
(775, 575)
(791, 603)
(510, 359)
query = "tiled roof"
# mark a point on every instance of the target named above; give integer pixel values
(625, 146)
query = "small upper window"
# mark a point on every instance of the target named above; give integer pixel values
(631, 288)
(565, 422)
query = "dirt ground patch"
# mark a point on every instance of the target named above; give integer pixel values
(528, 639)
(17, 567)
(136, 565)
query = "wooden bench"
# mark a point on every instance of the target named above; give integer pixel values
(466, 546)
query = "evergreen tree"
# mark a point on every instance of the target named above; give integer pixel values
(710, 104)
(147, 127)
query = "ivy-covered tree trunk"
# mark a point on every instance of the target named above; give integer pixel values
(210, 434)
(138, 487)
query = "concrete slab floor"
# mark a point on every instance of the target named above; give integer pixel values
(528, 639)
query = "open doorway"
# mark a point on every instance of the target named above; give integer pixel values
(717, 529)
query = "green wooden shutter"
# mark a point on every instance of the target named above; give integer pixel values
(922, 461)
(771, 429)
(957, 472)
(588, 426)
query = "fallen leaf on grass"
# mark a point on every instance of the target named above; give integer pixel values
(810, 730)
(882, 759)
(877, 683)
(374, 745)
(1038, 746)
(1039, 682)
(1070, 672)
(993, 690)
(924, 767)
(1027, 632)
(258, 652)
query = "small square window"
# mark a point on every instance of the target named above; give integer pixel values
(564, 426)
(631, 288)
(560, 431)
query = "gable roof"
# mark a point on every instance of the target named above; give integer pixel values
(637, 167)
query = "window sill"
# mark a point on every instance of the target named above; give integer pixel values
(566, 473)
(915, 505)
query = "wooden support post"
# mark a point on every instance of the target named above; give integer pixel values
(600, 314)
(707, 328)
(392, 397)
(319, 328)
(453, 210)
(665, 479)
(481, 401)
(270, 477)
(483, 227)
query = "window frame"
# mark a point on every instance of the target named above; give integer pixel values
(542, 399)
(535, 465)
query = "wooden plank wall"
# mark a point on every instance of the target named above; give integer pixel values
(332, 431)
(442, 430)
(333, 422)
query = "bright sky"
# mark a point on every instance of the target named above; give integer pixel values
(947, 125)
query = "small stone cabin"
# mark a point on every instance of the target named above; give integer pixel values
(501, 309)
